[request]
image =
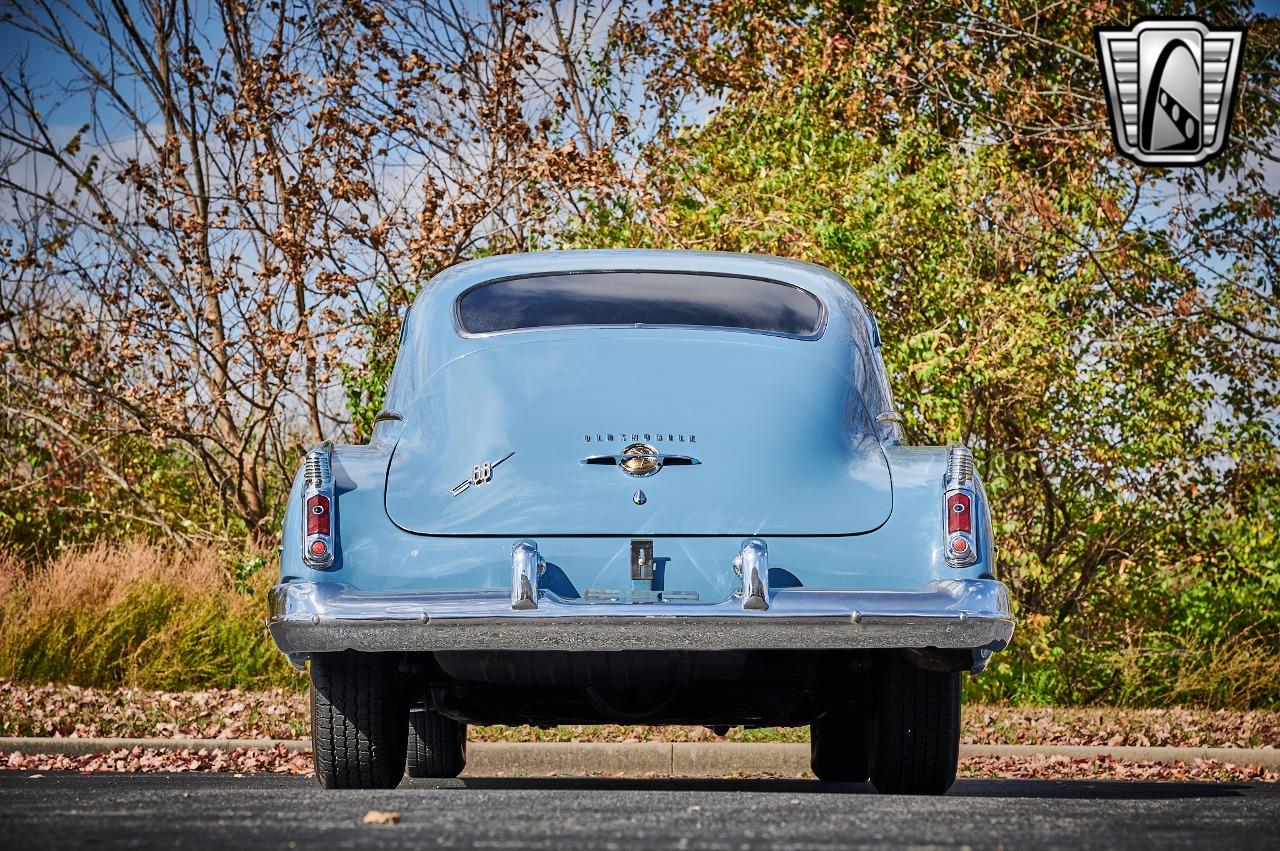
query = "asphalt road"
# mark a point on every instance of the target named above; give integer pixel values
(67, 810)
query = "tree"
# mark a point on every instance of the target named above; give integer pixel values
(255, 188)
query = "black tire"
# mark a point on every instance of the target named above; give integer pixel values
(358, 715)
(840, 745)
(437, 745)
(917, 729)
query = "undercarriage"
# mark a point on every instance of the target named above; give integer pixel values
(715, 688)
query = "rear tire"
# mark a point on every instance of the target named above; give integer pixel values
(358, 715)
(917, 729)
(840, 745)
(437, 745)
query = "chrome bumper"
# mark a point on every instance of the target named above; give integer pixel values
(320, 617)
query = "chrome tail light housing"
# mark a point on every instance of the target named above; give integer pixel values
(960, 502)
(318, 506)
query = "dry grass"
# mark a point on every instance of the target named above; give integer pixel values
(136, 614)
(1241, 670)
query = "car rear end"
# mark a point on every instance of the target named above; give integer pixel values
(640, 487)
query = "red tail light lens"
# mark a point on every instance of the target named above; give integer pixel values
(318, 515)
(959, 513)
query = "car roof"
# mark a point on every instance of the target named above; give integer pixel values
(432, 337)
(833, 290)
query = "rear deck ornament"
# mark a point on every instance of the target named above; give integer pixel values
(641, 460)
(1170, 87)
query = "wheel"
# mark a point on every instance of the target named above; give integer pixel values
(358, 714)
(437, 745)
(840, 745)
(917, 729)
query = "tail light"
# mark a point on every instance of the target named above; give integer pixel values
(959, 503)
(317, 506)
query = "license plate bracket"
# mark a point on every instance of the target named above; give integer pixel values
(643, 576)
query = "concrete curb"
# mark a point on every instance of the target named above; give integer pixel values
(690, 759)
(716, 759)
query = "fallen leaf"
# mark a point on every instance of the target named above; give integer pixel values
(381, 817)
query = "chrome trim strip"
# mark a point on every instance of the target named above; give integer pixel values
(959, 468)
(674, 460)
(319, 617)
(752, 564)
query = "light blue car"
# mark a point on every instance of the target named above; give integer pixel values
(642, 487)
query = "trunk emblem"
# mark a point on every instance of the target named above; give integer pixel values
(640, 460)
(481, 474)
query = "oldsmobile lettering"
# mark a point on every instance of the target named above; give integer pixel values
(634, 436)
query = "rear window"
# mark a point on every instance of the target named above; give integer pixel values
(641, 299)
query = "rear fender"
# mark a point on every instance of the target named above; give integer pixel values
(918, 525)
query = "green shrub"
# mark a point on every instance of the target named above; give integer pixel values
(1203, 631)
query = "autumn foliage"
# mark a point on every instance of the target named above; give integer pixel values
(214, 219)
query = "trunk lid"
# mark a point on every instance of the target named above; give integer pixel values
(770, 427)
